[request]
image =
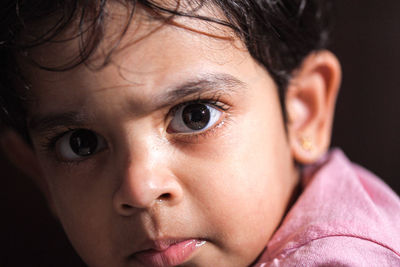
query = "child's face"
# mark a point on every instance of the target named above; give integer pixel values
(184, 141)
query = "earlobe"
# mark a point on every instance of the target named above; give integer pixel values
(310, 103)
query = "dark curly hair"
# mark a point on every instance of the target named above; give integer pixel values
(278, 34)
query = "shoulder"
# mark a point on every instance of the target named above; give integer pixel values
(343, 210)
(336, 251)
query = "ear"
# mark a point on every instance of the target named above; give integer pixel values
(310, 103)
(21, 155)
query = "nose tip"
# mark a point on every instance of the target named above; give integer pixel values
(145, 188)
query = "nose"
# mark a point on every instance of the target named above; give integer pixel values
(145, 183)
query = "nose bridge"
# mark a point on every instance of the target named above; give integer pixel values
(145, 176)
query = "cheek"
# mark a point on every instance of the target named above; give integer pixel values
(241, 181)
(84, 209)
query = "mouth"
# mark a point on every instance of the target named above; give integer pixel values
(169, 252)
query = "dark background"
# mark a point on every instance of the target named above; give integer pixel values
(367, 126)
(366, 39)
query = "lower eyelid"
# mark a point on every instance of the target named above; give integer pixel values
(194, 138)
(74, 163)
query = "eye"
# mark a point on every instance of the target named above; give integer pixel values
(194, 117)
(78, 144)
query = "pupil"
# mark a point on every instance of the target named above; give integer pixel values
(83, 142)
(196, 116)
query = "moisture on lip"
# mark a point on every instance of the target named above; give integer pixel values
(199, 243)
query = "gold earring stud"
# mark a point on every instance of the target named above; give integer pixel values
(306, 143)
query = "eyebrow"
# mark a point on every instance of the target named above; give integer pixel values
(209, 83)
(43, 123)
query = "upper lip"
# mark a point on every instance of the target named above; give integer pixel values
(163, 244)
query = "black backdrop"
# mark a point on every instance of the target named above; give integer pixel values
(366, 39)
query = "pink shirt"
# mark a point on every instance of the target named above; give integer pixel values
(345, 216)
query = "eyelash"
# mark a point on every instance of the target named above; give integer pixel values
(50, 142)
(215, 101)
(194, 137)
(49, 145)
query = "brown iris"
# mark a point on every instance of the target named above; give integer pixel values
(196, 116)
(83, 142)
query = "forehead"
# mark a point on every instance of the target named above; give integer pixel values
(150, 55)
(119, 26)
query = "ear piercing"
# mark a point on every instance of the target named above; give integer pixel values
(306, 143)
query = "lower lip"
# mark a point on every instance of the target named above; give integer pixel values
(174, 255)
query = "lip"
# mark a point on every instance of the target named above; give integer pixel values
(168, 253)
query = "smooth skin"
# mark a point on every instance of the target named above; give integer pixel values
(147, 180)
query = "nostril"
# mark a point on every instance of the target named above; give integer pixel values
(165, 196)
(126, 207)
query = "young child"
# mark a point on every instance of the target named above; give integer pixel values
(190, 133)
